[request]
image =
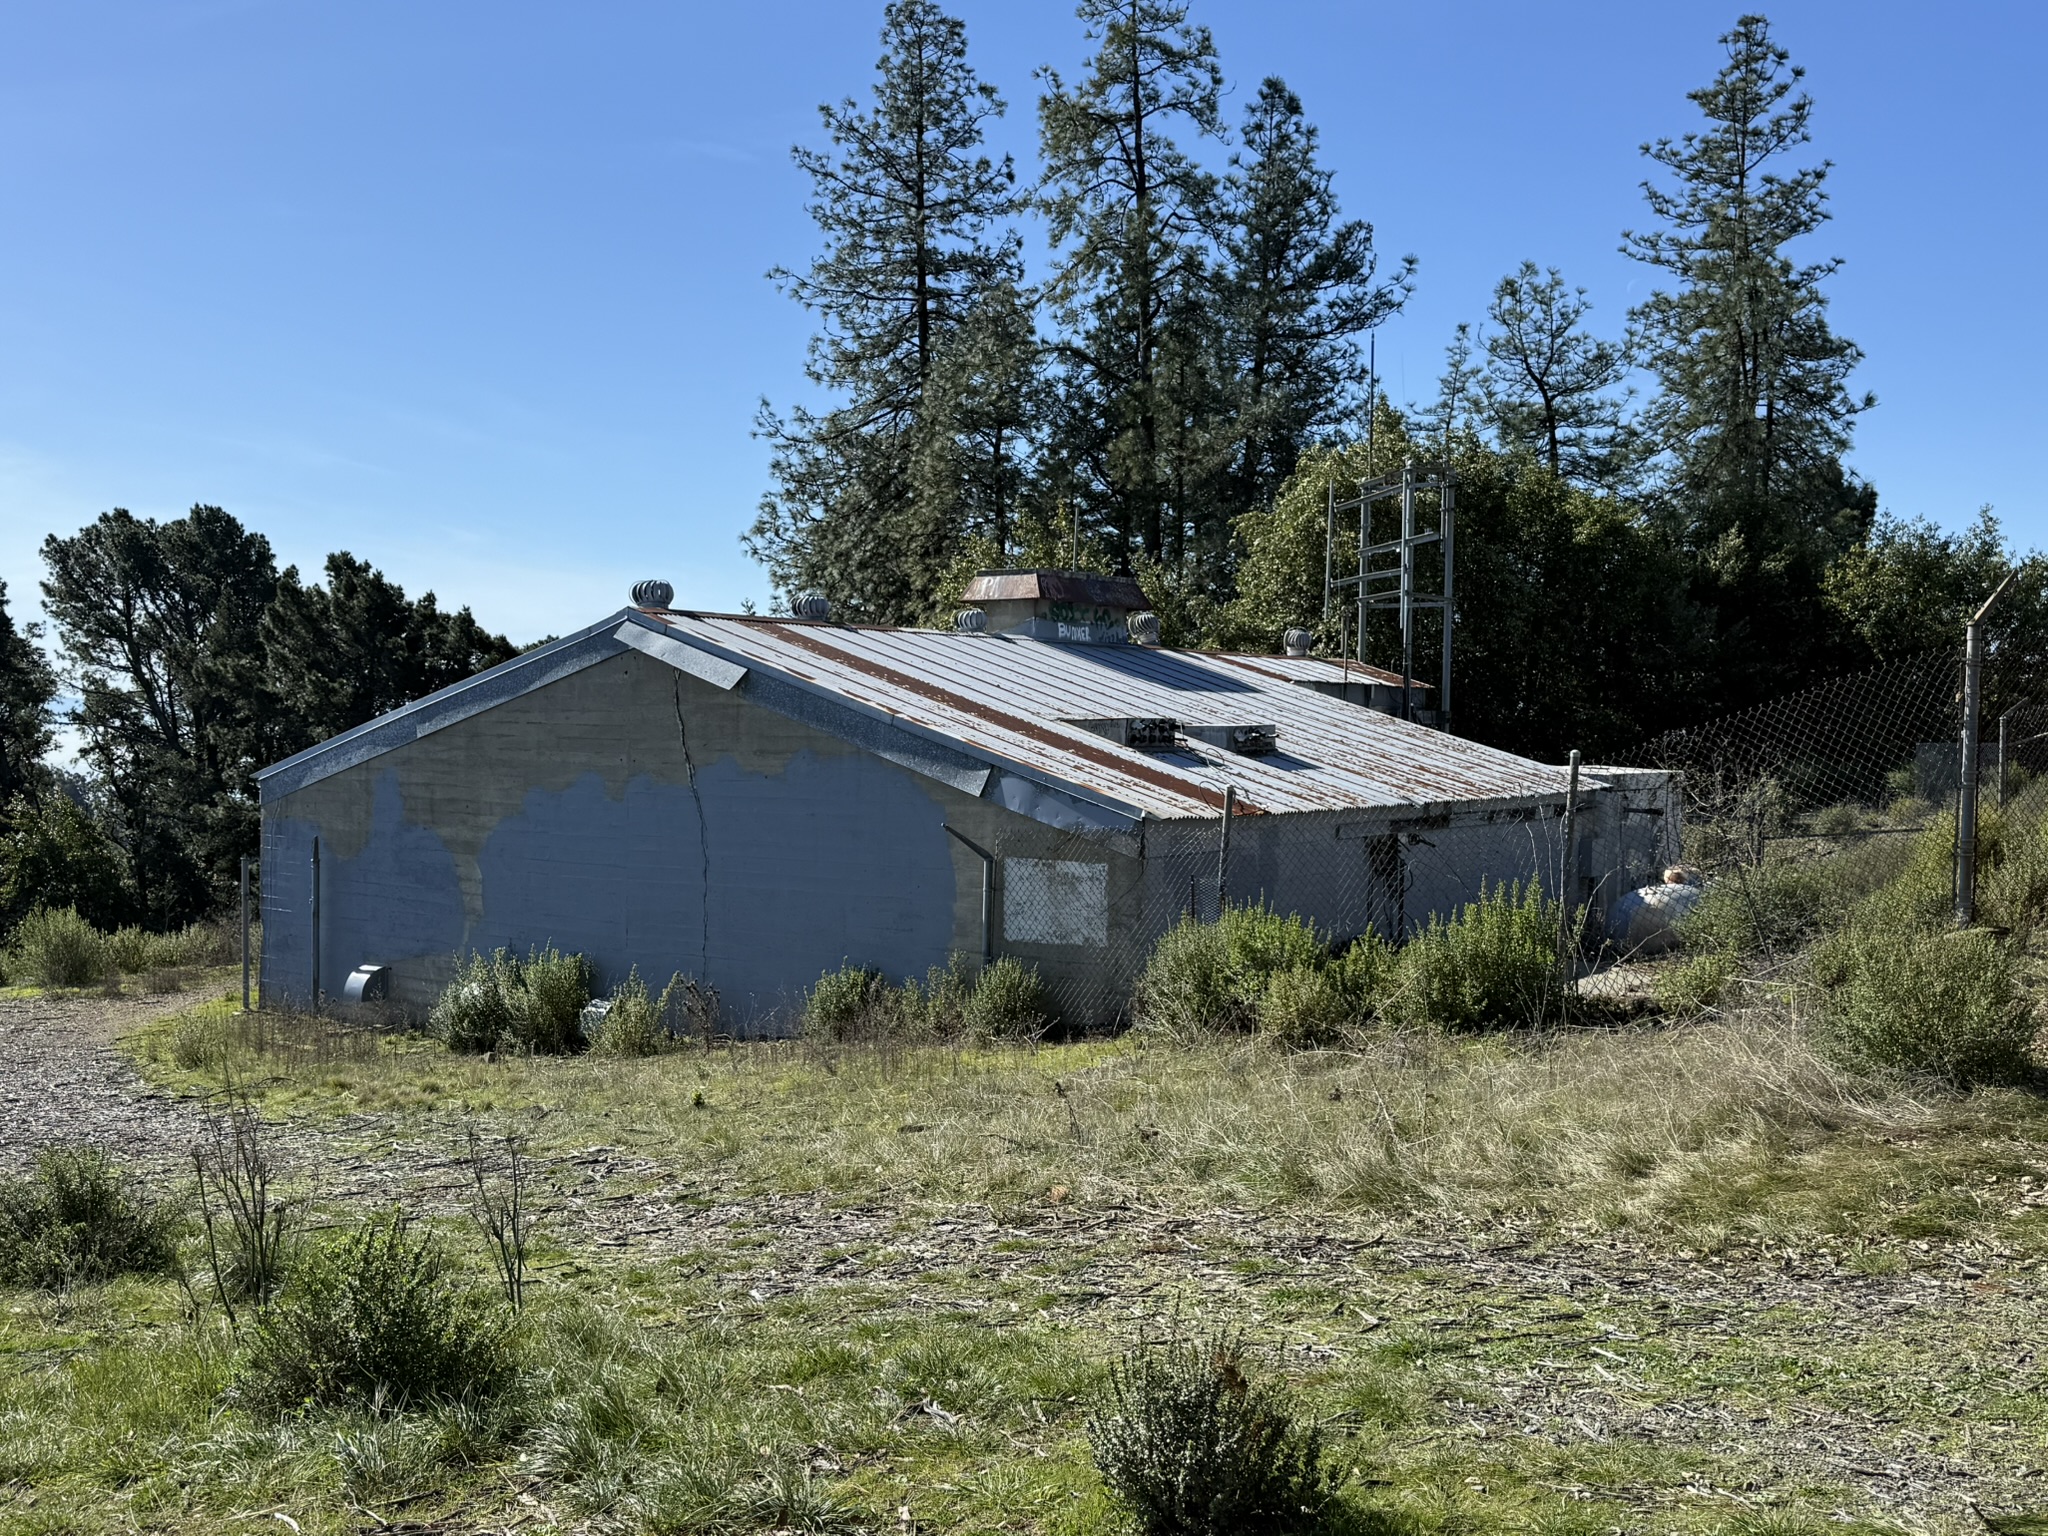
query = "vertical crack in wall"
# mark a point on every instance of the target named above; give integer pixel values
(703, 842)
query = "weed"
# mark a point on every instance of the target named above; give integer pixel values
(58, 948)
(248, 1228)
(498, 1206)
(378, 1319)
(1191, 1445)
(79, 1218)
(472, 1013)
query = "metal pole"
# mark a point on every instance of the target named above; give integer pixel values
(316, 925)
(1966, 800)
(1407, 599)
(1448, 524)
(1223, 851)
(1364, 523)
(1329, 539)
(1567, 866)
(245, 933)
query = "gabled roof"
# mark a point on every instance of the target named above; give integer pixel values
(976, 710)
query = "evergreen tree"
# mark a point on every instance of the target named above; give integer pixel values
(1549, 384)
(912, 212)
(1298, 290)
(1753, 410)
(28, 684)
(160, 624)
(1127, 212)
(343, 654)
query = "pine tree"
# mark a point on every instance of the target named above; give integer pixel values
(1298, 290)
(1127, 212)
(28, 684)
(1551, 385)
(912, 212)
(1753, 411)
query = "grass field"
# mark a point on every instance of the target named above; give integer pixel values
(1658, 1279)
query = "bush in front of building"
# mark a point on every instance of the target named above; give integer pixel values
(535, 1004)
(1005, 1000)
(1207, 977)
(1492, 963)
(57, 948)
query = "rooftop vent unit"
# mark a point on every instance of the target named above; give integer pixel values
(1149, 733)
(971, 621)
(1246, 740)
(811, 605)
(653, 594)
(1298, 641)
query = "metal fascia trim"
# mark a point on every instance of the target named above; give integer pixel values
(664, 647)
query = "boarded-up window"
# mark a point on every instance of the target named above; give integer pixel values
(1055, 901)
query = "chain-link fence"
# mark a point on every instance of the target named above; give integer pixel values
(1873, 754)
(1086, 912)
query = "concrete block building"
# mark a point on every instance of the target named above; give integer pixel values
(755, 801)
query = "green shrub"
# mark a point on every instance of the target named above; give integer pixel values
(1764, 908)
(137, 950)
(1214, 976)
(1006, 1002)
(633, 1025)
(473, 1012)
(381, 1319)
(851, 1003)
(79, 1218)
(547, 1006)
(1191, 1445)
(1837, 821)
(1943, 1004)
(536, 1003)
(2014, 894)
(1305, 1007)
(1695, 984)
(58, 948)
(1493, 963)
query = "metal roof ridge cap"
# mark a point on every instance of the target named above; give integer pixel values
(927, 733)
(523, 660)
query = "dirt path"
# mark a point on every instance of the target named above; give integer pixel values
(62, 1080)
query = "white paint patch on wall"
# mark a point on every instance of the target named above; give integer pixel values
(1055, 901)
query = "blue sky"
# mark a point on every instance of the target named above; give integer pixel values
(476, 290)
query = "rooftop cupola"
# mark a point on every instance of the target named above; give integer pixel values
(1070, 607)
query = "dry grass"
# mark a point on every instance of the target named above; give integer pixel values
(1727, 1130)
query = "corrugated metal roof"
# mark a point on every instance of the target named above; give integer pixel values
(1012, 699)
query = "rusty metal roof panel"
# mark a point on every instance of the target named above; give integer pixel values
(1013, 700)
